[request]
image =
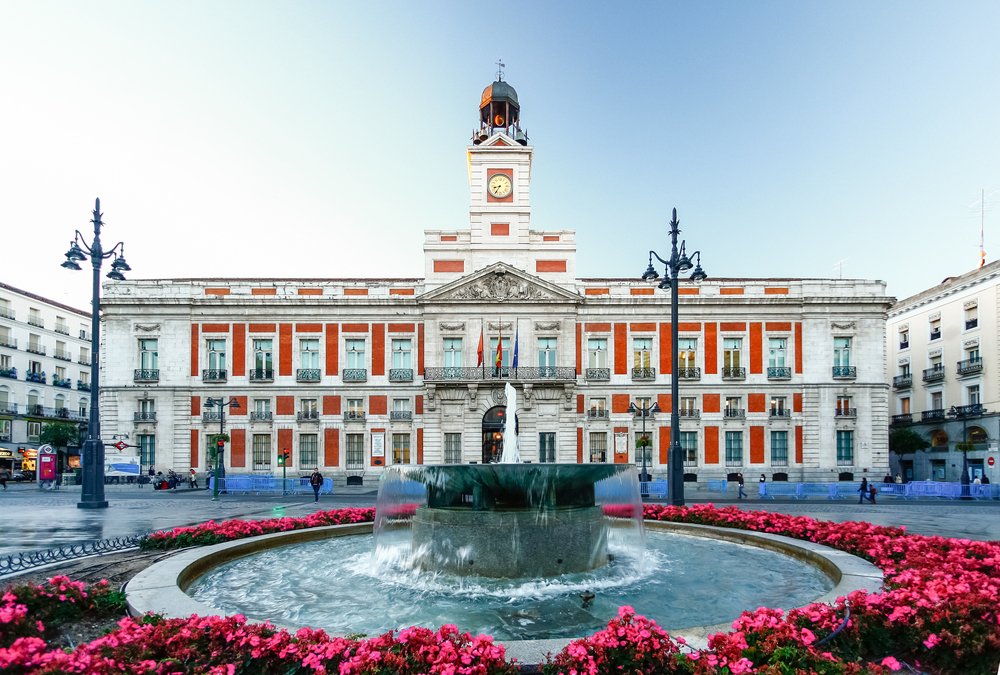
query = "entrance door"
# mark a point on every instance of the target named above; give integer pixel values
(493, 425)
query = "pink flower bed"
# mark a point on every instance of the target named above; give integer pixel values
(938, 613)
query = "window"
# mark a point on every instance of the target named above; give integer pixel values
(4, 424)
(355, 451)
(262, 408)
(504, 356)
(308, 450)
(689, 446)
(5, 362)
(309, 354)
(687, 349)
(402, 354)
(261, 451)
(263, 358)
(356, 406)
(35, 317)
(400, 448)
(61, 351)
(5, 309)
(904, 370)
(34, 430)
(842, 351)
(309, 408)
(84, 356)
(935, 326)
(779, 448)
(147, 450)
(904, 339)
(843, 405)
(845, 447)
(83, 407)
(61, 325)
(937, 400)
(972, 395)
(547, 446)
(452, 448)
(688, 406)
(84, 377)
(734, 448)
(645, 451)
(904, 405)
(401, 405)
(779, 406)
(598, 447)
(147, 407)
(547, 353)
(60, 373)
(216, 354)
(734, 406)
(598, 407)
(777, 352)
(453, 352)
(642, 353)
(731, 351)
(5, 337)
(971, 317)
(597, 353)
(356, 354)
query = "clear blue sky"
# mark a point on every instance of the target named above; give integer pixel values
(319, 139)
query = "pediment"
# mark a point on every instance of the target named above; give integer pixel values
(500, 140)
(500, 282)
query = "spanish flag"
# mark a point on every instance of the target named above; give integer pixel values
(479, 351)
(499, 357)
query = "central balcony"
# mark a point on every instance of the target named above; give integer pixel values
(146, 375)
(902, 419)
(846, 412)
(691, 413)
(307, 416)
(934, 374)
(307, 375)
(779, 373)
(644, 373)
(354, 416)
(401, 374)
(401, 415)
(845, 372)
(689, 373)
(732, 373)
(598, 413)
(262, 375)
(355, 374)
(781, 412)
(935, 415)
(146, 416)
(213, 375)
(527, 374)
(902, 381)
(598, 374)
(265, 416)
(735, 413)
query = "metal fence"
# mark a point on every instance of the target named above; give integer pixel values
(26, 560)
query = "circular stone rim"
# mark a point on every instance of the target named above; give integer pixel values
(161, 587)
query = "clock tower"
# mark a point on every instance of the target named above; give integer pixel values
(499, 164)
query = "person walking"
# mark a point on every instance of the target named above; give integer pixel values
(3, 478)
(193, 478)
(762, 487)
(863, 490)
(872, 491)
(739, 481)
(316, 481)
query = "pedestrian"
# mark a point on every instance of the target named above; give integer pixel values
(194, 479)
(977, 481)
(871, 493)
(739, 481)
(899, 479)
(986, 479)
(863, 490)
(762, 486)
(3, 478)
(888, 478)
(316, 481)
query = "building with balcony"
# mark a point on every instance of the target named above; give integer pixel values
(948, 335)
(44, 371)
(353, 375)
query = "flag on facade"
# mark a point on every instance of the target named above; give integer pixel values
(479, 351)
(514, 359)
(499, 357)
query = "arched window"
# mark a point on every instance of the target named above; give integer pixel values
(939, 439)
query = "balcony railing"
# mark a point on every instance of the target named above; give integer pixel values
(34, 377)
(62, 355)
(7, 313)
(934, 373)
(970, 366)
(936, 334)
(214, 416)
(401, 374)
(779, 373)
(9, 372)
(735, 413)
(84, 360)
(261, 416)
(780, 412)
(401, 415)
(971, 323)
(644, 373)
(902, 419)
(61, 329)
(8, 342)
(846, 412)
(905, 344)
(734, 373)
(65, 383)
(355, 374)
(972, 410)
(902, 381)
(935, 415)
(692, 413)
(213, 375)
(82, 386)
(453, 374)
(307, 375)
(637, 414)
(8, 408)
(598, 413)
(689, 373)
(34, 321)
(38, 410)
(354, 416)
(845, 372)
(845, 461)
(144, 416)
(598, 374)
(146, 375)
(307, 416)
(262, 374)
(35, 348)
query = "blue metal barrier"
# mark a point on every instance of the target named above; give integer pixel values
(258, 484)
(653, 488)
(779, 489)
(717, 486)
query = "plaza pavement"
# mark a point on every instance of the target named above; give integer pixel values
(33, 519)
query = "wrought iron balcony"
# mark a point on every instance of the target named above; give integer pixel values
(735, 413)
(61, 413)
(355, 374)
(146, 375)
(307, 375)
(61, 329)
(7, 313)
(644, 373)
(34, 321)
(35, 348)
(211, 416)
(845, 372)
(82, 386)
(972, 410)
(970, 366)
(637, 413)
(902, 419)
(902, 381)
(401, 415)
(261, 416)
(527, 374)
(689, 373)
(734, 373)
(62, 355)
(846, 412)
(144, 416)
(598, 374)
(213, 375)
(598, 413)
(84, 361)
(34, 377)
(779, 373)
(9, 372)
(781, 412)
(34, 409)
(934, 373)
(8, 342)
(971, 323)
(8, 408)
(401, 374)
(65, 383)
(905, 344)
(936, 334)
(354, 416)
(692, 413)
(935, 415)
(262, 374)
(307, 416)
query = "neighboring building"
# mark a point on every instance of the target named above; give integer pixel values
(780, 376)
(44, 373)
(943, 347)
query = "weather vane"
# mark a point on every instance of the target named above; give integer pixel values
(500, 67)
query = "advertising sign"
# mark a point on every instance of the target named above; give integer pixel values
(46, 463)
(122, 462)
(378, 448)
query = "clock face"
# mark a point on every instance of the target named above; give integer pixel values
(499, 185)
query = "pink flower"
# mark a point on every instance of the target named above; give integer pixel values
(891, 663)
(931, 640)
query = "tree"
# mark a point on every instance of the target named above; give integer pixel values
(903, 441)
(59, 434)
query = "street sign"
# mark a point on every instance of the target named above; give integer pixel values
(121, 445)
(991, 460)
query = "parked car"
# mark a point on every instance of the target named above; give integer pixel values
(18, 475)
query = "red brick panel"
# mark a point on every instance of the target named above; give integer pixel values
(620, 403)
(731, 290)
(217, 291)
(689, 327)
(284, 405)
(354, 328)
(238, 449)
(550, 237)
(420, 349)
(239, 349)
(579, 349)
(641, 291)
(642, 327)
(194, 350)
(597, 291)
(215, 328)
(664, 400)
(756, 403)
(263, 328)
(309, 291)
(797, 402)
(711, 349)
(449, 265)
(331, 447)
(798, 347)
(195, 406)
(401, 291)
(332, 349)
(598, 327)
(331, 405)
(194, 448)
(756, 348)
(285, 349)
(775, 290)
(664, 444)
(500, 229)
(733, 326)
(401, 328)
(420, 446)
(711, 445)
(355, 291)
(378, 349)
(798, 445)
(285, 443)
(550, 265)
(579, 404)
(621, 348)
(418, 405)
(620, 457)
(378, 405)
(780, 326)
(579, 445)
(308, 328)
(756, 444)
(263, 291)
(242, 410)
(711, 403)
(666, 350)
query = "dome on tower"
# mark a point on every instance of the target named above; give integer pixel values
(498, 91)
(499, 111)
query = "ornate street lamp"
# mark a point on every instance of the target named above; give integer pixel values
(964, 412)
(677, 263)
(644, 411)
(92, 494)
(221, 404)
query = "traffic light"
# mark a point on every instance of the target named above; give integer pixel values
(220, 446)
(284, 457)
